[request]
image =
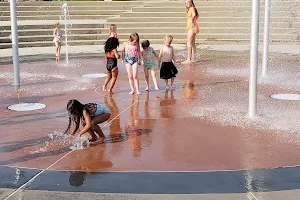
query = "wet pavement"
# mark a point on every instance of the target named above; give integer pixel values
(196, 140)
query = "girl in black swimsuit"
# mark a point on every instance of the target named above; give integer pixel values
(111, 54)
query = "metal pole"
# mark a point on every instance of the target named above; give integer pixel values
(266, 38)
(14, 41)
(253, 57)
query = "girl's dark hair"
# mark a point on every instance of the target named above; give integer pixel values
(75, 109)
(111, 44)
(145, 43)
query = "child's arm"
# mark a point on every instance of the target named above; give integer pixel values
(116, 53)
(88, 123)
(75, 128)
(54, 32)
(173, 56)
(160, 56)
(140, 55)
(160, 53)
(157, 56)
(123, 52)
(194, 17)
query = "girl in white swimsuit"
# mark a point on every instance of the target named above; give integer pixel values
(91, 115)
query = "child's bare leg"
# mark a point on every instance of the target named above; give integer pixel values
(99, 131)
(190, 37)
(107, 81)
(59, 48)
(154, 78)
(135, 77)
(93, 136)
(100, 118)
(97, 120)
(172, 81)
(114, 73)
(167, 83)
(193, 49)
(146, 78)
(130, 77)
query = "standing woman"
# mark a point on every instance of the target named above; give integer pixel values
(192, 30)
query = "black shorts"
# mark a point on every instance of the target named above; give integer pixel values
(111, 63)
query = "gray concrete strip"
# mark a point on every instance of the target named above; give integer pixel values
(33, 194)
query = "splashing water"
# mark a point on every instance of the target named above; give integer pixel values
(56, 135)
(182, 56)
(66, 16)
(79, 143)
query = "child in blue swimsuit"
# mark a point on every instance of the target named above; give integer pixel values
(131, 54)
(91, 115)
(149, 64)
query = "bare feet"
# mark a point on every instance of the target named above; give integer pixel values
(104, 88)
(132, 92)
(92, 139)
(156, 88)
(186, 62)
(147, 88)
(138, 93)
(110, 91)
(99, 141)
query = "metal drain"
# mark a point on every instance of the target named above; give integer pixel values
(27, 106)
(290, 97)
(97, 75)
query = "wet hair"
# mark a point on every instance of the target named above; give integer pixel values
(111, 28)
(134, 36)
(75, 109)
(56, 24)
(145, 43)
(169, 37)
(193, 5)
(111, 44)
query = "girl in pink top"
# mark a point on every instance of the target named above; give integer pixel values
(131, 55)
(113, 31)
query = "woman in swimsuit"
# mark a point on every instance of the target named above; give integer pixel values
(91, 115)
(131, 55)
(192, 30)
(111, 54)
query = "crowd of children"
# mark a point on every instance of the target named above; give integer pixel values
(92, 114)
(132, 56)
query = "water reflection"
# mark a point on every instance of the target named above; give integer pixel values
(132, 127)
(76, 179)
(190, 90)
(115, 126)
(167, 105)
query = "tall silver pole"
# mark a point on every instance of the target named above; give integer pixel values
(266, 38)
(14, 41)
(253, 57)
